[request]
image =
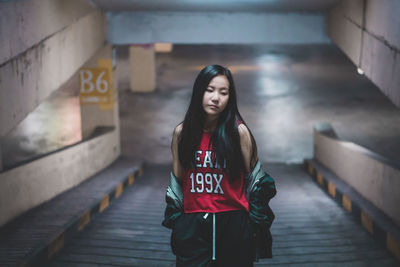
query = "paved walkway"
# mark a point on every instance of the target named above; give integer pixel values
(310, 229)
(129, 232)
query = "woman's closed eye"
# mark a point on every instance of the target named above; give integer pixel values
(211, 90)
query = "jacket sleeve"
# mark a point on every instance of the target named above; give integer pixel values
(260, 189)
(259, 209)
(174, 200)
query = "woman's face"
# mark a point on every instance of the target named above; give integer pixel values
(216, 96)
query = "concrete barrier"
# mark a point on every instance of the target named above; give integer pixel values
(374, 177)
(31, 184)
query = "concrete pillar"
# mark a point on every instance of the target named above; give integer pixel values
(163, 47)
(143, 69)
(95, 115)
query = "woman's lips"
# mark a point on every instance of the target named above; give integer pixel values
(212, 106)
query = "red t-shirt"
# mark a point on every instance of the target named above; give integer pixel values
(207, 188)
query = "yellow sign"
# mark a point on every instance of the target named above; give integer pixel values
(107, 63)
(95, 86)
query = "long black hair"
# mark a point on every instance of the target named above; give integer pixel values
(225, 139)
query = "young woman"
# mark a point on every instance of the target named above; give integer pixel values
(213, 151)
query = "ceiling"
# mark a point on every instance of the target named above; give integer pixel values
(217, 5)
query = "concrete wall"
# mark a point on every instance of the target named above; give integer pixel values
(27, 186)
(369, 34)
(42, 44)
(371, 175)
(24, 24)
(216, 27)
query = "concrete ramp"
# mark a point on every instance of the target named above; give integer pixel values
(310, 229)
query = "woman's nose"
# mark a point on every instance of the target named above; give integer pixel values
(215, 97)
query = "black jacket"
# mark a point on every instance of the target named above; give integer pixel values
(260, 188)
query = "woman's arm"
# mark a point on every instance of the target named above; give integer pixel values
(246, 147)
(176, 165)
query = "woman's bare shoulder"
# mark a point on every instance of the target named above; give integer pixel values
(245, 137)
(178, 129)
(243, 131)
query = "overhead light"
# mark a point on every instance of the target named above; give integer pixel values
(360, 71)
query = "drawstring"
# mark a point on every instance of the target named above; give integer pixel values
(213, 235)
(213, 253)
